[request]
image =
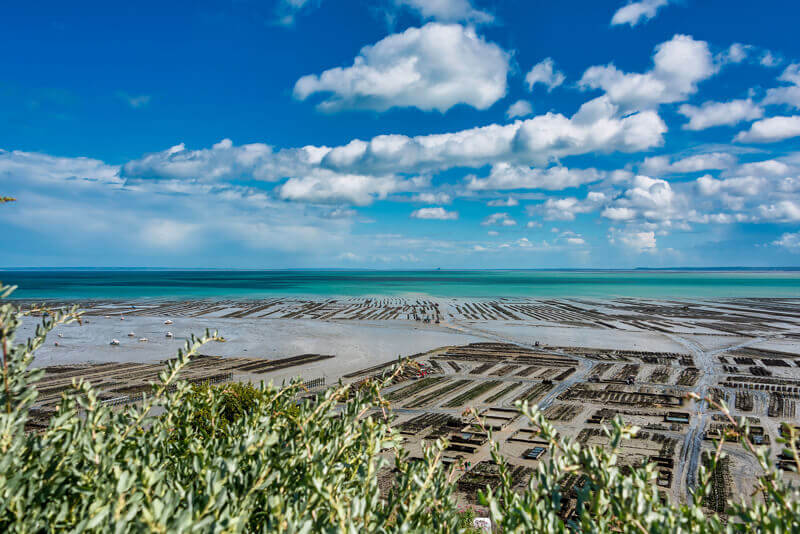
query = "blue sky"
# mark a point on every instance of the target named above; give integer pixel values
(400, 134)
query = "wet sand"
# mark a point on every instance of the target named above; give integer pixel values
(364, 331)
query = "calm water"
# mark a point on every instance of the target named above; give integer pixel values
(257, 284)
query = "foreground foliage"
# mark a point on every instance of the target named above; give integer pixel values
(243, 459)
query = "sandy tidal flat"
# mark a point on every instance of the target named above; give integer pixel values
(355, 345)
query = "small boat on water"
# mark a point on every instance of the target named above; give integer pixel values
(131, 334)
(143, 339)
(114, 342)
(167, 322)
(169, 334)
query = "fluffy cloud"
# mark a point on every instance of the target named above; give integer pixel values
(720, 114)
(647, 199)
(571, 238)
(768, 59)
(432, 198)
(700, 162)
(596, 127)
(502, 219)
(753, 192)
(747, 185)
(770, 168)
(636, 12)
(437, 213)
(520, 108)
(781, 211)
(446, 10)
(521, 244)
(771, 130)
(546, 74)
(636, 240)
(41, 169)
(789, 95)
(339, 213)
(678, 66)
(653, 197)
(431, 68)
(507, 176)
(736, 53)
(565, 209)
(790, 241)
(791, 74)
(152, 221)
(324, 186)
(224, 161)
(619, 213)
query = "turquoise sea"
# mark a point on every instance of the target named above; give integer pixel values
(126, 284)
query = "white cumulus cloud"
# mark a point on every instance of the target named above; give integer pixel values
(697, 163)
(546, 74)
(431, 68)
(649, 199)
(790, 241)
(223, 161)
(571, 238)
(678, 66)
(635, 12)
(768, 59)
(435, 213)
(619, 213)
(502, 219)
(565, 209)
(741, 186)
(151, 221)
(711, 114)
(430, 197)
(596, 127)
(781, 211)
(736, 53)
(638, 241)
(324, 186)
(520, 108)
(771, 130)
(446, 10)
(508, 176)
(43, 169)
(789, 94)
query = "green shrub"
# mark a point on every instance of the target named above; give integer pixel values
(216, 407)
(243, 459)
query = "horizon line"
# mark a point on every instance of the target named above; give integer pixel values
(421, 269)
